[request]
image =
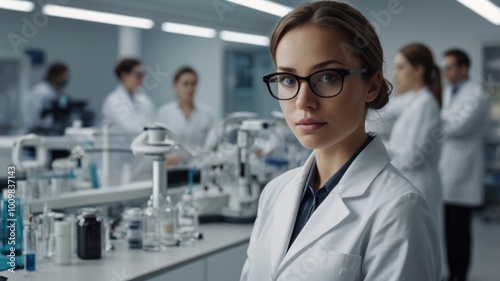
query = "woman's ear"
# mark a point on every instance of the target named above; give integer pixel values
(374, 86)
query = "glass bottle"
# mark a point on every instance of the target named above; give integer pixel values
(167, 223)
(29, 249)
(187, 219)
(151, 235)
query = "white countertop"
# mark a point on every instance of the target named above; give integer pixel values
(126, 264)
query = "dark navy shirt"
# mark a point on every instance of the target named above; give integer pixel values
(312, 199)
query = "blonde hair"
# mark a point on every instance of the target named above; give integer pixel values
(361, 40)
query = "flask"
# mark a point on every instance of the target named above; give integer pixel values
(151, 237)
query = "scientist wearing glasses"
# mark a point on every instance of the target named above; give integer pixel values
(127, 108)
(347, 214)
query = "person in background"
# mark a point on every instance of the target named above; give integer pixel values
(414, 143)
(189, 120)
(42, 95)
(128, 110)
(347, 213)
(464, 117)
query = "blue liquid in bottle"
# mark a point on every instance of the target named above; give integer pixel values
(30, 262)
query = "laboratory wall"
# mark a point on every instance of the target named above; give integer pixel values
(91, 49)
(88, 48)
(164, 53)
(441, 24)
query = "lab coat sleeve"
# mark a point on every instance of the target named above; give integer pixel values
(404, 244)
(257, 229)
(422, 132)
(464, 118)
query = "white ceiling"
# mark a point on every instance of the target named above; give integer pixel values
(205, 11)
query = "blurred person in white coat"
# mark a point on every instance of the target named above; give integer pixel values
(347, 214)
(464, 117)
(189, 120)
(128, 110)
(40, 96)
(415, 140)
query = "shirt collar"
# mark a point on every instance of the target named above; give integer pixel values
(335, 179)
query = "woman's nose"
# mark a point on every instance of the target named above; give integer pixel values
(306, 99)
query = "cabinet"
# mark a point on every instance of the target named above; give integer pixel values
(225, 265)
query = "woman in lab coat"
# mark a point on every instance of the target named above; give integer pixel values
(128, 110)
(415, 141)
(347, 214)
(189, 120)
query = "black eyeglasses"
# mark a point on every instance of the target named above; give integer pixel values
(326, 83)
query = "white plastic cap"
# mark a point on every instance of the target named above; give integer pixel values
(61, 228)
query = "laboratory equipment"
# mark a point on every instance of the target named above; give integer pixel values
(46, 220)
(134, 220)
(29, 247)
(167, 223)
(89, 234)
(151, 238)
(153, 142)
(63, 243)
(187, 216)
(243, 201)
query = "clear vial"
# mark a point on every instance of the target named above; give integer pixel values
(167, 223)
(29, 249)
(151, 236)
(187, 219)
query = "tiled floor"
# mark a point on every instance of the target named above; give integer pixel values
(485, 264)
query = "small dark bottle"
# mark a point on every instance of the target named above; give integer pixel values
(89, 233)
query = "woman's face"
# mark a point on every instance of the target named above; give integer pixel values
(322, 123)
(133, 80)
(185, 87)
(406, 76)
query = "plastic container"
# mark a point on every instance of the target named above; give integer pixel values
(89, 235)
(62, 232)
(134, 221)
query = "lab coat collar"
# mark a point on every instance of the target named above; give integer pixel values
(367, 165)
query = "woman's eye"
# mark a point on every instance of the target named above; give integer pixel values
(287, 81)
(328, 78)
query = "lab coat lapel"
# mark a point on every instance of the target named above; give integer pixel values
(369, 163)
(285, 213)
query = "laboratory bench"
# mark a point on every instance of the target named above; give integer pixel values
(219, 256)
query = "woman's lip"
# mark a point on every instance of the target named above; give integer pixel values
(310, 127)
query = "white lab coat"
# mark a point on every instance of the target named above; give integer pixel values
(382, 121)
(127, 118)
(126, 114)
(373, 225)
(464, 119)
(415, 145)
(33, 104)
(191, 132)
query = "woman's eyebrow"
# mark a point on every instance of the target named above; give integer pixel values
(316, 66)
